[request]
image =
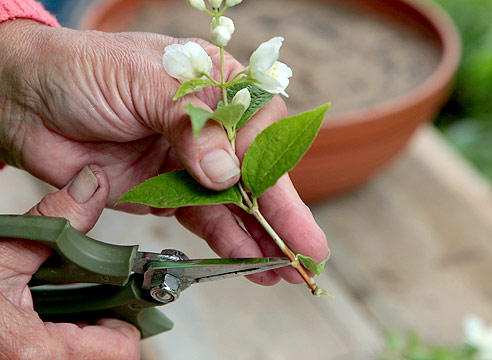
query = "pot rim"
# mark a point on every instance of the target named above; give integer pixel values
(438, 81)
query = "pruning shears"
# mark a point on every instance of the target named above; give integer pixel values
(104, 280)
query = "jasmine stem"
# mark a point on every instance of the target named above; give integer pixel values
(230, 82)
(224, 10)
(209, 12)
(246, 198)
(285, 249)
(212, 80)
(222, 77)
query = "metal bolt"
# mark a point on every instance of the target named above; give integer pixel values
(162, 295)
(168, 291)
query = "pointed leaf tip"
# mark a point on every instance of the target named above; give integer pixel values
(198, 118)
(278, 149)
(310, 264)
(191, 86)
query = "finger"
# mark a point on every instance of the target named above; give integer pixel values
(218, 226)
(294, 223)
(81, 202)
(209, 157)
(109, 339)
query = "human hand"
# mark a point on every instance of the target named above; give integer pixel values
(22, 334)
(89, 97)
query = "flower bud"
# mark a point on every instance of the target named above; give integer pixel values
(215, 3)
(197, 4)
(223, 21)
(221, 36)
(242, 97)
(233, 2)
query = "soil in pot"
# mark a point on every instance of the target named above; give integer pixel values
(351, 59)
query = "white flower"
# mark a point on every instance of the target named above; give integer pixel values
(215, 3)
(242, 97)
(223, 21)
(197, 4)
(272, 75)
(186, 62)
(479, 336)
(233, 2)
(221, 36)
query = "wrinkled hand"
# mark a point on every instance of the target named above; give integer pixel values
(74, 98)
(22, 334)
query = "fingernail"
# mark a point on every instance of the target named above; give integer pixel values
(220, 166)
(83, 186)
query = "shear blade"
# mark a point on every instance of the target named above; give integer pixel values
(202, 270)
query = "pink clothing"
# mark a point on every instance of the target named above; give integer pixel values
(25, 9)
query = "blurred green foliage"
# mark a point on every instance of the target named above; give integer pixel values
(467, 119)
(412, 348)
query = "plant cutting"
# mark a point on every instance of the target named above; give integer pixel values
(274, 152)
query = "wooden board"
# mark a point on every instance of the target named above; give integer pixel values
(415, 245)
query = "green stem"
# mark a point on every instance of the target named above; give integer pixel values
(212, 80)
(285, 249)
(231, 82)
(222, 77)
(280, 243)
(224, 10)
(245, 196)
(209, 12)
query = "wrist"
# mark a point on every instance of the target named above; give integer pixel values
(21, 42)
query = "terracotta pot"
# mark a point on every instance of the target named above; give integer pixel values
(354, 145)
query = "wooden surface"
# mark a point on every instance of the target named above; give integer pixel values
(411, 250)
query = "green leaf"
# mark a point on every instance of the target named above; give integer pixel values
(198, 117)
(191, 86)
(278, 148)
(228, 115)
(176, 189)
(259, 98)
(310, 264)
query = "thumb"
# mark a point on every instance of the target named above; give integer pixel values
(209, 158)
(81, 201)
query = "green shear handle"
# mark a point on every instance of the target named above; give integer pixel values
(78, 258)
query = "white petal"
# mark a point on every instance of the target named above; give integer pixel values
(242, 97)
(276, 79)
(473, 330)
(265, 55)
(176, 61)
(199, 59)
(233, 2)
(228, 23)
(197, 4)
(186, 62)
(221, 36)
(223, 21)
(269, 83)
(215, 3)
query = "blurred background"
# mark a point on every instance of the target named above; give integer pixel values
(466, 120)
(411, 244)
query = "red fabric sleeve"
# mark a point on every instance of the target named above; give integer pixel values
(25, 9)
